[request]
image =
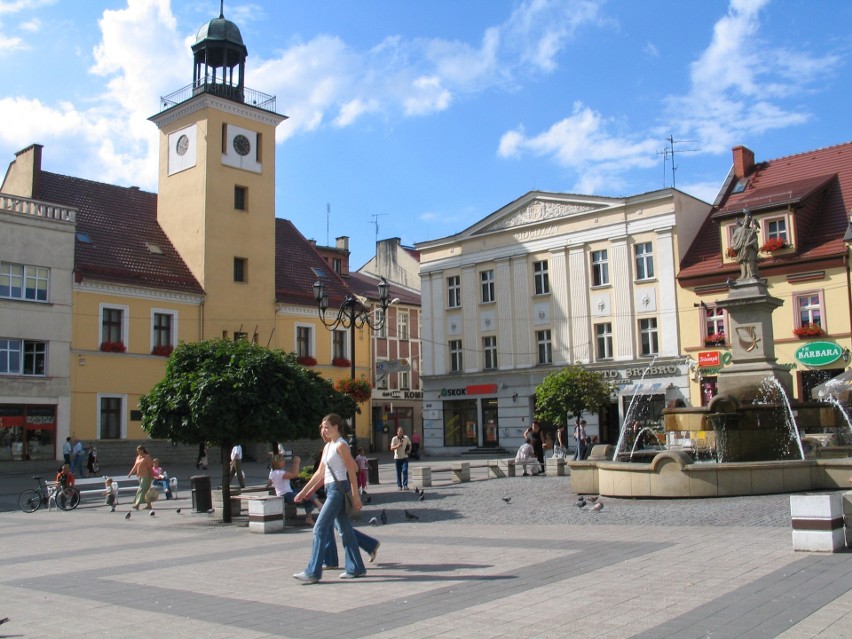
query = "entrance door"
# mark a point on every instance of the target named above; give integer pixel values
(490, 424)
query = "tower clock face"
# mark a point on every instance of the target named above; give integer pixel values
(242, 145)
(182, 145)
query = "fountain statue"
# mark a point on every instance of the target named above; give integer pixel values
(749, 430)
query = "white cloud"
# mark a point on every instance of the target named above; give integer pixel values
(16, 6)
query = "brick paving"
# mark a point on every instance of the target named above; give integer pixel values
(470, 566)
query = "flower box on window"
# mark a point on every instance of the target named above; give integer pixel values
(341, 361)
(113, 347)
(730, 252)
(773, 244)
(715, 339)
(306, 360)
(164, 350)
(810, 330)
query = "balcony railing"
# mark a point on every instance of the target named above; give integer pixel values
(35, 208)
(244, 96)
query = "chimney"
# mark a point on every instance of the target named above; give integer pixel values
(343, 242)
(743, 161)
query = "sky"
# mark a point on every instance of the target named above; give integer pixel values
(416, 119)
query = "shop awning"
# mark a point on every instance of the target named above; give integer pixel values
(643, 389)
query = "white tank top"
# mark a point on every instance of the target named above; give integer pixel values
(333, 461)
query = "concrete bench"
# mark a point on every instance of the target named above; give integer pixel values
(95, 486)
(554, 467)
(422, 475)
(500, 468)
(236, 493)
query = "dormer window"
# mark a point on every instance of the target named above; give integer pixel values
(776, 229)
(740, 186)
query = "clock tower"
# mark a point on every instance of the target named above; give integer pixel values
(216, 197)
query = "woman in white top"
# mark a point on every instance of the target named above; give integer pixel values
(337, 470)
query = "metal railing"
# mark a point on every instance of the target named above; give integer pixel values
(228, 91)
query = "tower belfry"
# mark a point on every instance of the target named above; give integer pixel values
(219, 55)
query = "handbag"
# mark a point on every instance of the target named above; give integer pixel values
(348, 504)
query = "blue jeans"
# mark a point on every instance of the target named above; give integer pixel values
(308, 505)
(365, 542)
(77, 466)
(402, 473)
(333, 511)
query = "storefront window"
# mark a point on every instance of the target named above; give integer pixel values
(460, 425)
(27, 432)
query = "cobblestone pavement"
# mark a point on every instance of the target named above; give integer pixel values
(472, 565)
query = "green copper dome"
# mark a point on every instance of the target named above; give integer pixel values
(220, 30)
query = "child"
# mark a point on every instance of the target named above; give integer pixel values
(361, 460)
(111, 493)
(526, 455)
(280, 480)
(64, 478)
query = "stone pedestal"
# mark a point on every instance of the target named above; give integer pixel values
(817, 522)
(266, 514)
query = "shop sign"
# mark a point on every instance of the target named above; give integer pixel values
(392, 366)
(819, 353)
(709, 358)
(475, 389)
(399, 394)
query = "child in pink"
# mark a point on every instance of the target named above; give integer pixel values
(361, 460)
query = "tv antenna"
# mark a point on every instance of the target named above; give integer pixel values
(375, 222)
(327, 222)
(669, 152)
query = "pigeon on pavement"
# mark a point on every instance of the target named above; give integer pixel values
(178, 511)
(507, 499)
(416, 490)
(422, 495)
(127, 516)
(598, 506)
(409, 515)
(152, 513)
(593, 499)
(581, 503)
(374, 521)
(383, 517)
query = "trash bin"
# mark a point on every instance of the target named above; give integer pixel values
(202, 499)
(373, 470)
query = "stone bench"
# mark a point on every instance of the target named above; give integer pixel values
(422, 475)
(554, 467)
(236, 492)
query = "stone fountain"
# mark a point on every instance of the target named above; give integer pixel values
(750, 432)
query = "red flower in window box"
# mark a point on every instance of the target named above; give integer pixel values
(113, 347)
(341, 361)
(163, 350)
(307, 360)
(809, 330)
(358, 389)
(773, 244)
(730, 252)
(715, 339)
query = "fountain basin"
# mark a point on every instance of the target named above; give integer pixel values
(674, 474)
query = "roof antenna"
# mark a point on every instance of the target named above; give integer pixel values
(327, 218)
(375, 222)
(670, 151)
(221, 8)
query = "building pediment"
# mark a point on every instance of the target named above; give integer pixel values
(535, 211)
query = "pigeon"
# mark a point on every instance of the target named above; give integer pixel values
(422, 495)
(598, 506)
(383, 517)
(581, 503)
(4, 620)
(367, 499)
(127, 516)
(506, 499)
(417, 491)
(593, 499)
(211, 511)
(374, 521)
(409, 515)
(178, 511)
(152, 513)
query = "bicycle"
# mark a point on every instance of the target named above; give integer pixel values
(65, 498)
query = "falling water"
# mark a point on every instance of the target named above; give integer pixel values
(771, 386)
(639, 439)
(628, 416)
(831, 399)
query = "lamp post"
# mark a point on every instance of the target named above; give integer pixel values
(352, 314)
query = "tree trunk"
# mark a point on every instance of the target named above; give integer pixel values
(225, 449)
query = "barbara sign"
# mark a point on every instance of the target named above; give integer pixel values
(819, 353)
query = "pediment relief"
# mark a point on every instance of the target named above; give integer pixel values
(538, 211)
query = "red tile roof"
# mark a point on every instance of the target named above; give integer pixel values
(298, 265)
(822, 177)
(367, 286)
(120, 222)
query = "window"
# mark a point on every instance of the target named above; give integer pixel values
(241, 198)
(603, 341)
(542, 280)
(110, 418)
(163, 327)
(402, 325)
(714, 325)
(456, 360)
(240, 264)
(112, 325)
(22, 357)
(21, 282)
(648, 336)
(336, 265)
(403, 380)
(338, 344)
(303, 341)
(600, 268)
(489, 350)
(644, 261)
(453, 291)
(545, 347)
(809, 309)
(240, 336)
(382, 330)
(777, 230)
(487, 279)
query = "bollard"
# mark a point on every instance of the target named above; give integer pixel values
(817, 522)
(266, 514)
(847, 514)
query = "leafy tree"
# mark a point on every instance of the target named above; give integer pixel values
(226, 393)
(570, 393)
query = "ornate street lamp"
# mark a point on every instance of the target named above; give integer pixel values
(352, 314)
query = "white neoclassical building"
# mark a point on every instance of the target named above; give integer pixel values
(549, 280)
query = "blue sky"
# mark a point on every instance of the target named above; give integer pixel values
(424, 117)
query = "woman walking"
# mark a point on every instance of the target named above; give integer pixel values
(143, 468)
(337, 470)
